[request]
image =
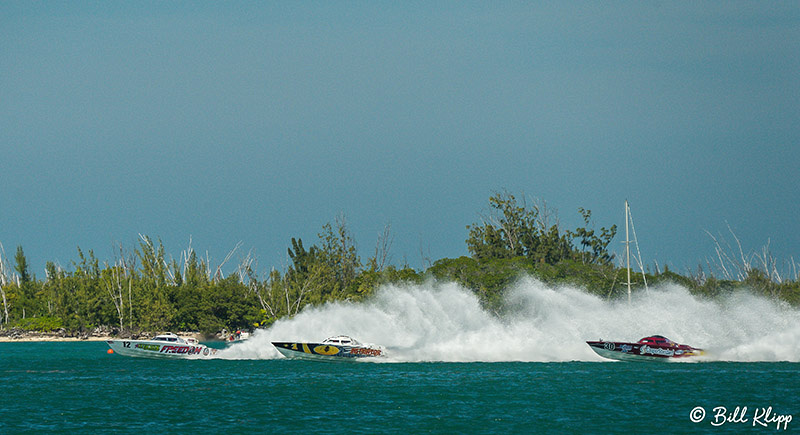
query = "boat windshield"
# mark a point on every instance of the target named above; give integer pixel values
(342, 339)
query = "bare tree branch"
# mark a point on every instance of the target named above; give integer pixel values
(4, 279)
(382, 247)
(218, 274)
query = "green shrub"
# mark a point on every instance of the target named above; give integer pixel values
(42, 324)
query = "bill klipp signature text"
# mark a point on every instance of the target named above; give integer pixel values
(740, 415)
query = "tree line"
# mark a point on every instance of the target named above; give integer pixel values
(143, 291)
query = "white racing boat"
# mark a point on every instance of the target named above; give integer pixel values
(166, 345)
(339, 348)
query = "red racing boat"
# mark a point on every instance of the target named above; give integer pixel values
(653, 348)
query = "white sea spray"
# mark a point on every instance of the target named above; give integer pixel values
(442, 321)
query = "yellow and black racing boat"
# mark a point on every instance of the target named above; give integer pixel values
(340, 347)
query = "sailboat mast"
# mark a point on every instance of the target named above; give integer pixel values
(627, 250)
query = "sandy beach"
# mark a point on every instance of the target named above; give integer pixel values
(18, 336)
(28, 338)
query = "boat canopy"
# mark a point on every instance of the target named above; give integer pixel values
(657, 340)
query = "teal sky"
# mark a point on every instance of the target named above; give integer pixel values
(262, 121)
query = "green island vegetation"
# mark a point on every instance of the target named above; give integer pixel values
(142, 291)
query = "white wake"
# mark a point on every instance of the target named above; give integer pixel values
(445, 322)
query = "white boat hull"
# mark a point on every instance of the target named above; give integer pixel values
(619, 356)
(160, 349)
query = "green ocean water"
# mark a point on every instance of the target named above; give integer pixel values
(76, 387)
